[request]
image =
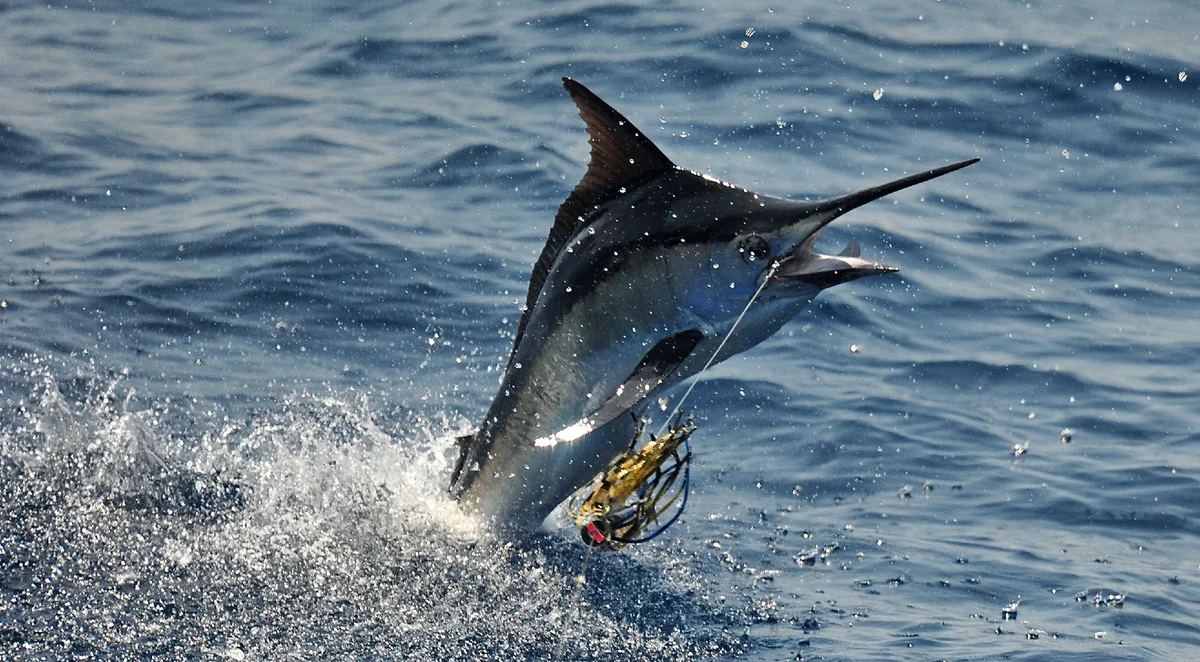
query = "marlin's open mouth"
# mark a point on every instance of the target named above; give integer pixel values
(804, 265)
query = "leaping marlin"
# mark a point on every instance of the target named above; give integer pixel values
(645, 270)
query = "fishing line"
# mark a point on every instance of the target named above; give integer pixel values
(679, 405)
(580, 583)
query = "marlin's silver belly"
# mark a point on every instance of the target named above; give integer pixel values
(558, 376)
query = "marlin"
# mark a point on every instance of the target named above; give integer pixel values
(645, 271)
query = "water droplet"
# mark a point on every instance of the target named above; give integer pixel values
(1066, 154)
(878, 94)
(745, 44)
(568, 289)
(1118, 87)
(683, 134)
(1183, 76)
(621, 190)
(1066, 435)
(749, 32)
(854, 349)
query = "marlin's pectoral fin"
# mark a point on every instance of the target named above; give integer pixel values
(654, 368)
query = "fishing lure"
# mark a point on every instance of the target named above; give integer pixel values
(634, 492)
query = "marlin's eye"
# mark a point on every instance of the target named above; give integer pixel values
(754, 248)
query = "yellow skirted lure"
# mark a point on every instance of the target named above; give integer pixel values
(631, 495)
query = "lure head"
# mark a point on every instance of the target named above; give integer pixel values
(595, 534)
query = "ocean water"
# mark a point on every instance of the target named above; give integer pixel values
(261, 261)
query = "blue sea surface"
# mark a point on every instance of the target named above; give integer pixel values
(261, 262)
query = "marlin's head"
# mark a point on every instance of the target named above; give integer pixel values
(751, 237)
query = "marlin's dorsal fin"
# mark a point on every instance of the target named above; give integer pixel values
(622, 156)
